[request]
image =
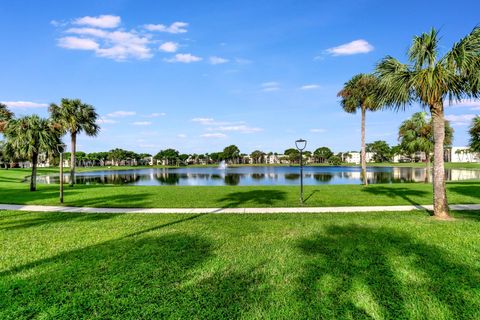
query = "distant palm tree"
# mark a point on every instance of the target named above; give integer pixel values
(5, 116)
(416, 135)
(75, 117)
(475, 134)
(360, 93)
(29, 136)
(430, 79)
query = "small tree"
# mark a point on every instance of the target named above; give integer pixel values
(293, 155)
(416, 135)
(5, 116)
(360, 92)
(431, 79)
(29, 136)
(474, 132)
(381, 151)
(322, 154)
(231, 153)
(75, 117)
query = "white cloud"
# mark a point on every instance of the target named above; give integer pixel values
(184, 58)
(176, 27)
(242, 61)
(204, 121)
(169, 47)
(141, 123)
(181, 135)
(237, 128)
(106, 121)
(461, 119)
(102, 21)
(309, 87)
(218, 60)
(270, 86)
(225, 126)
(214, 135)
(317, 130)
(75, 43)
(472, 104)
(121, 113)
(354, 47)
(24, 104)
(270, 89)
(156, 115)
(148, 146)
(118, 44)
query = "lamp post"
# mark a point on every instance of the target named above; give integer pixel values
(61, 148)
(301, 145)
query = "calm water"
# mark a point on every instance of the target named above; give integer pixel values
(247, 176)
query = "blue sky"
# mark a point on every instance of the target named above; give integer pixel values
(200, 75)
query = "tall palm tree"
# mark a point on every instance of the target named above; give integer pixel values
(360, 93)
(431, 79)
(416, 135)
(75, 117)
(29, 136)
(5, 116)
(475, 134)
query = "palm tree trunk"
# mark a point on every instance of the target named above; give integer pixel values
(72, 158)
(363, 155)
(428, 169)
(33, 177)
(440, 204)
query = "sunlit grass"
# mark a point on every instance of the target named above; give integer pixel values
(283, 266)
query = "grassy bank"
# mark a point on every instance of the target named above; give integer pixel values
(12, 190)
(298, 266)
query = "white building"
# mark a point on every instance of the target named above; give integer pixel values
(355, 157)
(462, 154)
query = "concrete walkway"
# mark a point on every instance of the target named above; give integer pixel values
(230, 210)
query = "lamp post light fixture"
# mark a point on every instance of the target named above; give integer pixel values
(61, 149)
(301, 144)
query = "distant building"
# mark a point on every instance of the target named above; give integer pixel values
(355, 157)
(461, 154)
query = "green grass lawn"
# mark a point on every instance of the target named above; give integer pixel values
(13, 191)
(282, 266)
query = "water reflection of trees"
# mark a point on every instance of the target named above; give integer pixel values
(258, 176)
(167, 178)
(323, 177)
(232, 179)
(292, 176)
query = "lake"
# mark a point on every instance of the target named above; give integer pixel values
(261, 175)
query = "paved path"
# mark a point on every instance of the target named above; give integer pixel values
(230, 210)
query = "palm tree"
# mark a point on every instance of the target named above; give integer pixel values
(5, 116)
(430, 79)
(29, 136)
(416, 135)
(360, 93)
(475, 134)
(75, 117)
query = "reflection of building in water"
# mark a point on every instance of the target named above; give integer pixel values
(456, 174)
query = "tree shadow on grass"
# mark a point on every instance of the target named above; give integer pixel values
(47, 218)
(253, 198)
(360, 272)
(310, 195)
(396, 192)
(467, 214)
(469, 189)
(134, 277)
